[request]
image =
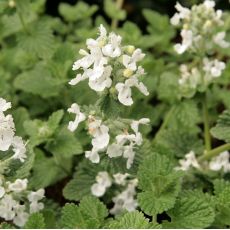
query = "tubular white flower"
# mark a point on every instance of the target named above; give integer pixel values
(18, 186)
(219, 40)
(93, 155)
(114, 150)
(187, 38)
(220, 162)
(120, 178)
(189, 161)
(130, 62)
(103, 182)
(125, 200)
(79, 117)
(100, 134)
(213, 67)
(112, 49)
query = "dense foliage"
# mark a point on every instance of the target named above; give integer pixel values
(110, 126)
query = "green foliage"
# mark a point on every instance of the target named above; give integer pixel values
(89, 214)
(221, 131)
(159, 183)
(113, 11)
(35, 221)
(191, 211)
(133, 220)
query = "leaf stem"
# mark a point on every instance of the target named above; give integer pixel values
(214, 152)
(207, 136)
(114, 23)
(23, 22)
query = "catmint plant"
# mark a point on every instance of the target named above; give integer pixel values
(17, 202)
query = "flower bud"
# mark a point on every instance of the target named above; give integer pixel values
(127, 73)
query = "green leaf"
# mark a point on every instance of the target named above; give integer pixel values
(92, 208)
(113, 11)
(160, 184)
(35, 221)
(133, 220)
(192, 210)
(72, 217)
(46, 171)
(222, 129)
(78, 12)
(65, 144)
(168, 80)
(38, 39)
(38, 81)
(83, 178)
(89, 214)
(20, 115)
(40, 131)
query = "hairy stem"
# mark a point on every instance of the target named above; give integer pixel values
(207, 136)
(114, 23)
(215, 152)
(23, 22)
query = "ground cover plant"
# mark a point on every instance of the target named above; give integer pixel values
(104, 124)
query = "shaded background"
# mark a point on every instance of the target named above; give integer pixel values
(134, 7)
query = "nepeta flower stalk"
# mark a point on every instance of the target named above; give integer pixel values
(16, 201)
(108, 65)
(202, 36)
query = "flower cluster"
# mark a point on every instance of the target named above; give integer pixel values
(220, 162)
(197, 79)
(108, 65)
(201, 35)
(201, 27)
(17, 203)
(124, 143)
(122, 201)
(7, 133)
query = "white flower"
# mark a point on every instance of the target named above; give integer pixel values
(6, 131)
(19, 149)
(2, 189)
(79, 117)
(124, 89)
(183, 13)
(18, 186)
(124, 93)
(209, 3)
(78, 78)
(103, 182)
(114, 150)
(7, 203)
(112, 49)
(36, 196)
(120, 178)
(20, 215)
(100, 134)
(4, 105)
(93, 155)
(125, 200)
(213, 67)
(187, 38)
(219, 40)
(129, 154)
(99, 84)
(219, 162)
(130, 62)
(190, 160)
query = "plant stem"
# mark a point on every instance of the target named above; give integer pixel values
(114, 23)
(207, 136)
(165, 123)
(23, 22)
(215, 152)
